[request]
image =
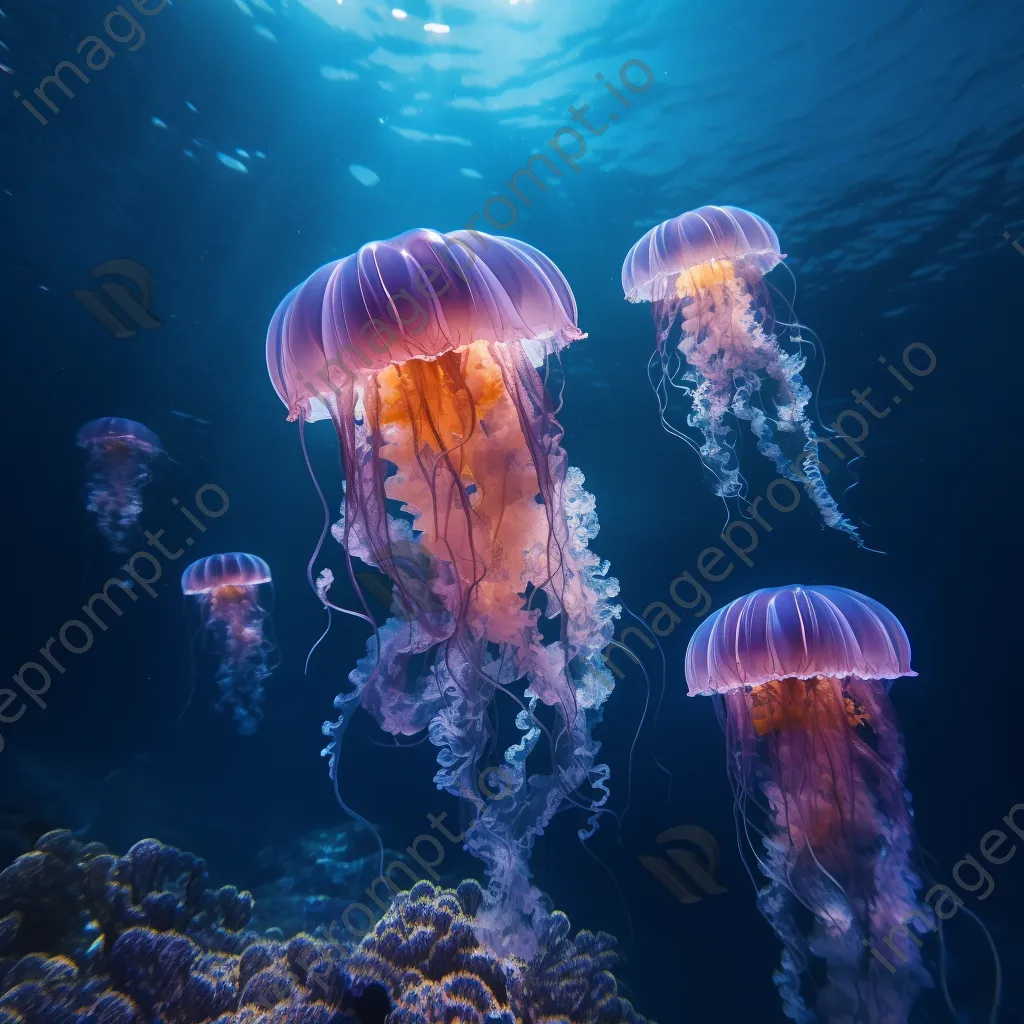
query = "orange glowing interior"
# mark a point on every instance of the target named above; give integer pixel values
(451, 421)
(704, 275)
(798, 703)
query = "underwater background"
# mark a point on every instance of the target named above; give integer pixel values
(243, 144)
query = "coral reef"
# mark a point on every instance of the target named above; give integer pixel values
(90, 938)
(426, 954)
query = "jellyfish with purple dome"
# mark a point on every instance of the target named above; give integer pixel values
(120, 457)
(704, 271)
(816, 763)
(227, 590)
(424, 352)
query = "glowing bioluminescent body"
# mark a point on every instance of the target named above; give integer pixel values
(704, 271)
(226, 587)
(423, 350)
(816, 763)
(120, 452)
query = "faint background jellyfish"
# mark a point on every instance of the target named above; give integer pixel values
(703, 271)
(423, 351)
(226, 589)
(816, 763)
(120, 454)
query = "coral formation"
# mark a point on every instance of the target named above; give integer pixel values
(90, 938)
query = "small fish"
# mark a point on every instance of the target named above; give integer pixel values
(191, 107)
(189, 154)
(230, 161)
(363, 175)
(262, 30)
(242, 153)
(337, 74)
(158, 122)
(468, 172)
(260, 154)
(4, 67)
(264, 6)
(189, 416)
(244, 8)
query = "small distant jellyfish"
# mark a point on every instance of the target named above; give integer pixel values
(816, 763)
(121, 453)
(226, 588)
(704, 271)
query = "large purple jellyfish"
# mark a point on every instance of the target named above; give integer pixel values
(423, 350)
(120, 454)
(705, 271)
(226, 588)
(816, 763)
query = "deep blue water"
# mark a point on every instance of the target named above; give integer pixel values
(885, 144)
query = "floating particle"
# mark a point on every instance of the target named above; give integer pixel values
(191, 107)
(337, 74)
(189, 416)
(230, 161)
(158, 122)
(244, 8)
(421, 96)
(242, 153)
(468, 172)
(418, 136)
(437, 28)
(262, 30)
(363, 175)
(409, 111)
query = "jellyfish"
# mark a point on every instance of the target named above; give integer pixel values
(816, 763)
(424, 352)
(120, 455)
(226, 588)
(705, 271)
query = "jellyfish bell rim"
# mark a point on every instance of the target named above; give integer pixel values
(259, 572)
(657, 285)
(890, 633)
(507, 302)
(132, 432)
